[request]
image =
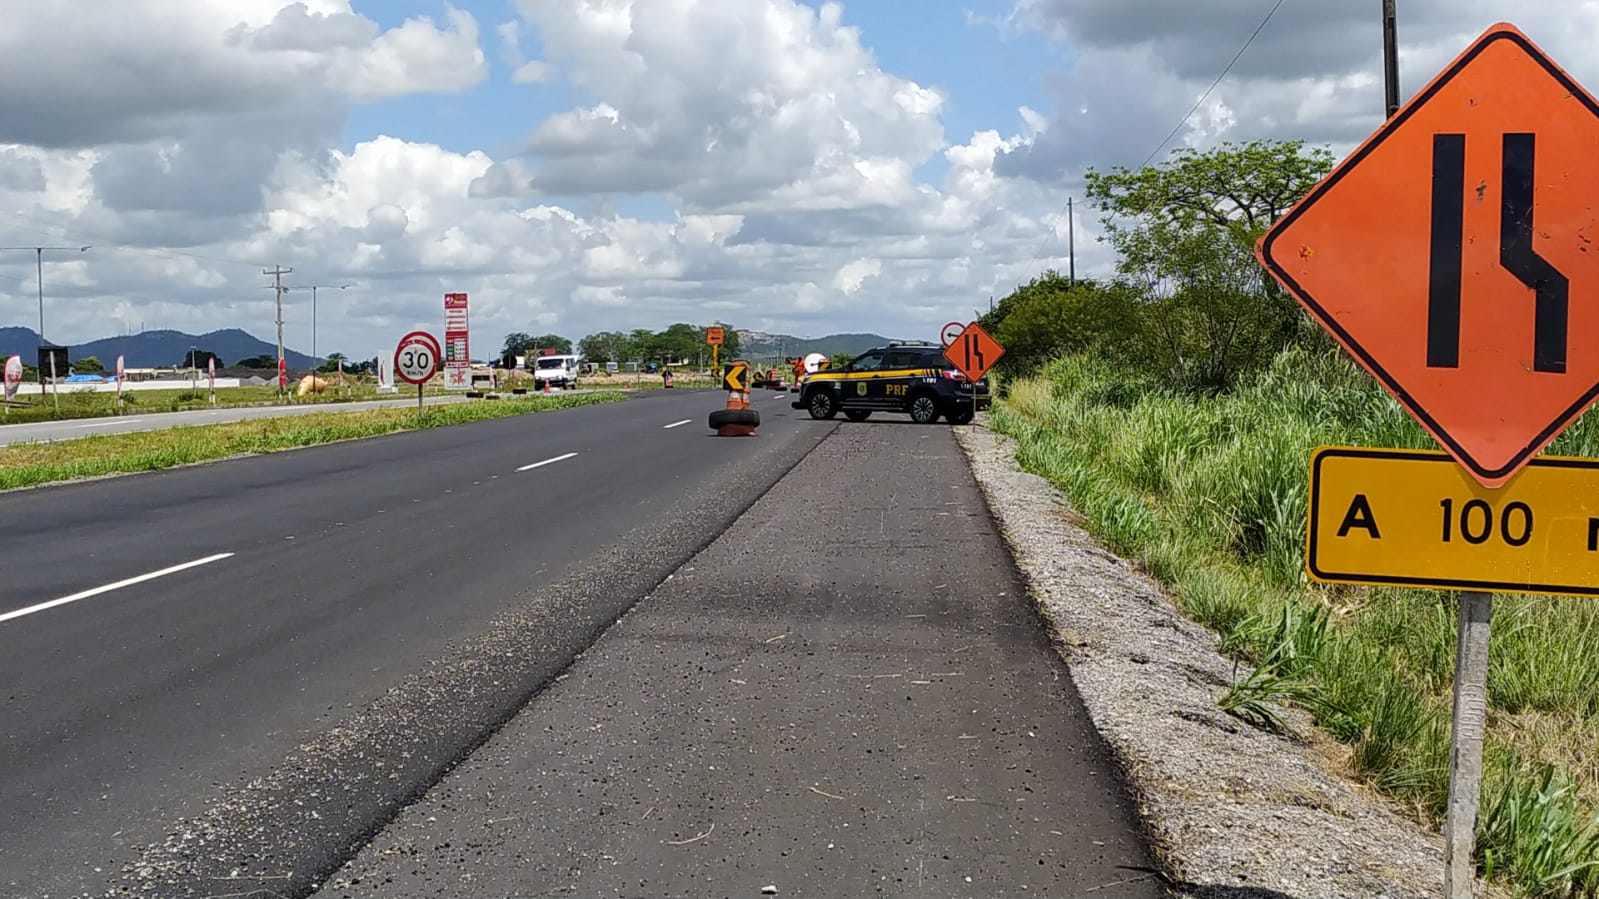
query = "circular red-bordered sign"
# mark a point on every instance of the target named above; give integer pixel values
(438, 348)
(951, 333)
(416, 359)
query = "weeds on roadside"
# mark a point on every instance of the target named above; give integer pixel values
(1209, 494)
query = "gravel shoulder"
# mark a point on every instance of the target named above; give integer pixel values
(1233, 811)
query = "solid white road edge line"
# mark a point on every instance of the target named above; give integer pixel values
(547, 462)
(679, 424)
(116, 586)
(113, 422)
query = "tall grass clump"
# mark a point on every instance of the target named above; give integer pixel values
(1209, 493)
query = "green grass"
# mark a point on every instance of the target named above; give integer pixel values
(32, 464)
(1210, 496)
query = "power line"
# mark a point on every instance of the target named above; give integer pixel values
(1213, 85)
(1179, 127)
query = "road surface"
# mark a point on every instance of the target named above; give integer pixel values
(226, 679)
(354, 618)
(848, 694)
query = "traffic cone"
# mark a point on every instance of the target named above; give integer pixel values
(737, 401)
(546, 386)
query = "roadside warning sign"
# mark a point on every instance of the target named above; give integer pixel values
(974, 352)
(1446, 252)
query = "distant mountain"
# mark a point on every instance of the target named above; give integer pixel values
(759, 343)
(153, 349)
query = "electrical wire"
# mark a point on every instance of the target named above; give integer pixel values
(1053, 228)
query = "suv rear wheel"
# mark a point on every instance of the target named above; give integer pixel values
(822, 405)
(924, 409)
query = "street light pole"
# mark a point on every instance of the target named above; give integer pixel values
(314, 288)
(38, 254)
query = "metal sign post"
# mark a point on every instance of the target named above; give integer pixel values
(1465, 744)
(55, 389)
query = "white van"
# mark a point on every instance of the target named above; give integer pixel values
(557, 371)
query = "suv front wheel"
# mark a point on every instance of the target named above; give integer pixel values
(924, 409)
(822, 405)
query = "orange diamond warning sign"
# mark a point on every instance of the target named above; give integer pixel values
(1453, 254)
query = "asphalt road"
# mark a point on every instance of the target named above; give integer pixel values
(846, 695)
(223, 678)
(42, 431)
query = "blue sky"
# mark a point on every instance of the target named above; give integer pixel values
(206, 156)
(948, 45)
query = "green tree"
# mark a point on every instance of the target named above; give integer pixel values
(1184, 231)
(88, 365)
(517, 343)
(1050, 316)
(640, 344)
(678, 342)
(263, 361)
(198, 359)
(606, 346)
(333, 360)
(561, 345)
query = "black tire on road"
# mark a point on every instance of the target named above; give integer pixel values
(857, 414)
(822, 405)
(924, 408)
(960, 415)
(735, 417)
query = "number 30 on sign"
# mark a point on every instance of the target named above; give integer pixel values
(416, 359)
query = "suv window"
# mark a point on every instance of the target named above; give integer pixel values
(906, 359)
(872, 361)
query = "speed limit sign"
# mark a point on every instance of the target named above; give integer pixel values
(416, 359)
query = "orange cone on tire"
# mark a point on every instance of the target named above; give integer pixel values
(738, 419)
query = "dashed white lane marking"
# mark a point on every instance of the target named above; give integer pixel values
(679, 424)
(547, 462)
(116, 586)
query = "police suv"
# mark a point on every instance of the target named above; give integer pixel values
(908, 377)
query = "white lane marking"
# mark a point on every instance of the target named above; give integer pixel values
(112, 423)
(679, 424)
(547, 462)
(116, 586)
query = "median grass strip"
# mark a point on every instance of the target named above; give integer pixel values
(32, 464)
(1208, 494)
(81, 403)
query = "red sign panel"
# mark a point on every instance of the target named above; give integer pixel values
(456, 344)
(1450, 254)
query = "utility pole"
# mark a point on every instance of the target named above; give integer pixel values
(1071, 244)
(277, 272)
(1390, 56)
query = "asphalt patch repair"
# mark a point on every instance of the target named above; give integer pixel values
(846, 694)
